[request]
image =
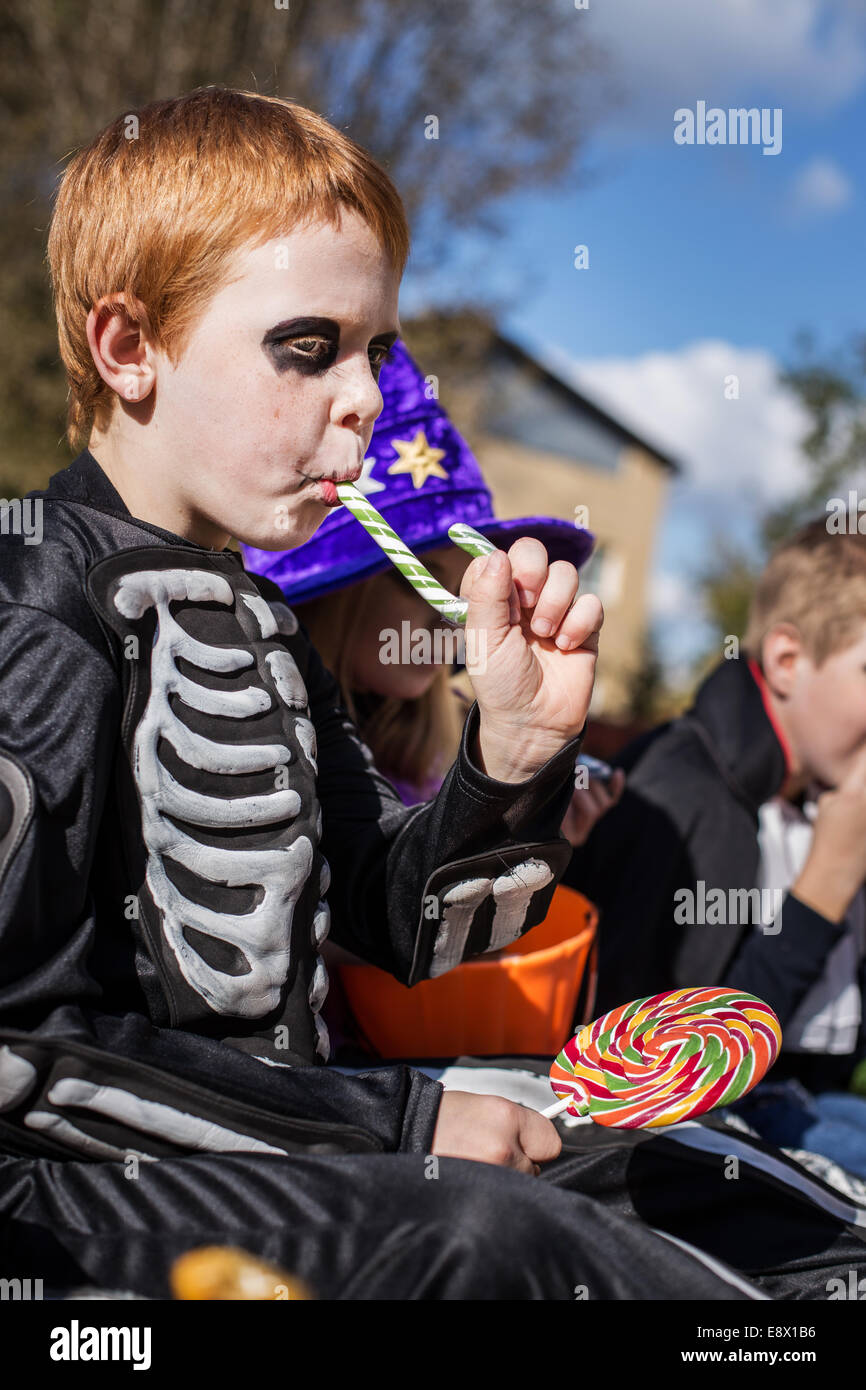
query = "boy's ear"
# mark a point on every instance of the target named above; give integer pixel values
(780, 651)
(118, 334)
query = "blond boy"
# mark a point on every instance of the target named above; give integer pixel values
(743, 826)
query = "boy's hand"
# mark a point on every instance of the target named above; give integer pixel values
(836, 867)
(489, 1129)
(588, 805)
(533, 687)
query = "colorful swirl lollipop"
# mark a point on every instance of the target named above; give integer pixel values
(422, 581)
(666, 1058)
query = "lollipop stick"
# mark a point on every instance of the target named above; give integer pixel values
(557, 1108)
(422, 581)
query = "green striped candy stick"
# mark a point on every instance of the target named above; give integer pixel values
(422, 581)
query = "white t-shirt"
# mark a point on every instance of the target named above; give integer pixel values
(828, 1017)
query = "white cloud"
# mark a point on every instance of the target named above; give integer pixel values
(670, 595)
(809, 54)
(739, 457)
(821, 187)
(741, 449)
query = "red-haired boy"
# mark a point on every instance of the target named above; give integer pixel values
(186, 809)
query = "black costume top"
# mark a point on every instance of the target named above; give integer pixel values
(185, 811)
(163, 885)
(690, 814)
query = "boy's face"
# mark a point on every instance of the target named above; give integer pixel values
(825, 712)
(276, 387)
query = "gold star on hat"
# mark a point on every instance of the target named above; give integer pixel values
(418, 458)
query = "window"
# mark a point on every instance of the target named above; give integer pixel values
(604, 574)
(530, 410)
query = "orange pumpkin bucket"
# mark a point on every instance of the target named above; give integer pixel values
(519, 1003)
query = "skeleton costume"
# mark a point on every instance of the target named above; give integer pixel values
(185, 813)
(190, 813)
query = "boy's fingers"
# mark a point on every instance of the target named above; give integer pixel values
(529, 566)
(597, 799)
(610, 792)
(521, 1164)
(555, 599)
(488, 587)
(581, 625)
(538, 1136)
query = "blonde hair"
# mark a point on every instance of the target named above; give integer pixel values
(413, 740)
(816, 580)
(157, 205)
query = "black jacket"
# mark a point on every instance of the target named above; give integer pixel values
(690, 814)
(185, 812)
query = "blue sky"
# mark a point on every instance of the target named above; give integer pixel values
(704, 260)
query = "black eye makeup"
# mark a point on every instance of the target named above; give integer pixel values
(310, 346)
(379, 354)
(306, 345)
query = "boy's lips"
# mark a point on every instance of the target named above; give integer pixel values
(328, 485)
(328, 489)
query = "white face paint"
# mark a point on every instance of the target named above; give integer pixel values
(262, 936)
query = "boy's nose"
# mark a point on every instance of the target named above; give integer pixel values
(358, 401)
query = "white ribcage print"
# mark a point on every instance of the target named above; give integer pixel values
(262, 935)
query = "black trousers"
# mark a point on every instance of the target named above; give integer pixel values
(402, 1226)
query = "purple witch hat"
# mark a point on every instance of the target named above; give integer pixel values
(420, 473)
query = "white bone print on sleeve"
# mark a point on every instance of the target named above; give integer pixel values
(512, 893)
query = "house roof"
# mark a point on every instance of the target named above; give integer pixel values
(571, 396)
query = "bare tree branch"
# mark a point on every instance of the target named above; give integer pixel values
(515, 88)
